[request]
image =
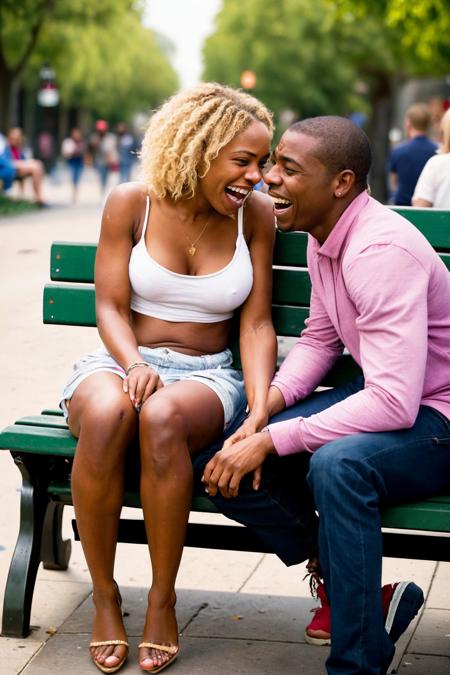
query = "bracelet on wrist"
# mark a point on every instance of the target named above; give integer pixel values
(135, 364)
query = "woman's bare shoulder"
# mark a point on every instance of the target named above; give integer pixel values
(259, 207)
(126, 202)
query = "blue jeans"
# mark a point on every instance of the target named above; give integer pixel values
(282, 512)
(76, 169)
(351, 478)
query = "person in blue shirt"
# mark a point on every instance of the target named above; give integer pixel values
(407, 159)
(7, 168)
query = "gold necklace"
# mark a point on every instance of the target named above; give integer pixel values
(192, 248)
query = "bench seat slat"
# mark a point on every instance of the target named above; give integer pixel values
(54, 421)
(38, 440)
(430, 515)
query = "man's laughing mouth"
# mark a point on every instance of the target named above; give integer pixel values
(280, 204)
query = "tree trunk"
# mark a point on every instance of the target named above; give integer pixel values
(383, 102)
(6, 98)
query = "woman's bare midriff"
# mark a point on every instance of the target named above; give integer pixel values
(185, 337)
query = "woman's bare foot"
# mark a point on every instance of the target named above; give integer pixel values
(108, 627)
(160, 629)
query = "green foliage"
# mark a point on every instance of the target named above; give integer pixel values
(314, 57)
(293, 46)
(105, 60)
(417, 32)
(21, 22)
(113, 70)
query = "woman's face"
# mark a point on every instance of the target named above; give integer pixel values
(237, 169)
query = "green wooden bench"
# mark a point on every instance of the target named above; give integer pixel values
(43, 448)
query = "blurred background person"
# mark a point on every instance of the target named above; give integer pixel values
(407, 159)
(126, 150)
(46, 151)
(103, 149)
(433, 186)
(7, 170)
(73, 150)
(26, 167)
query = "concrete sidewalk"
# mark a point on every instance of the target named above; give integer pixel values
(244, 612)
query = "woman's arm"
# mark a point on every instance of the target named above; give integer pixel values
(121, 216)
(258, 344)
(418, 201)
(425, 191)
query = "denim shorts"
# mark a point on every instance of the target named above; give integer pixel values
(214, 370)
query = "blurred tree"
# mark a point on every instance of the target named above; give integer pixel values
(332, 56)
(112, 71)
(422, 28)
(291, 45)
(406, 40)
(21, 25)
(100, 48)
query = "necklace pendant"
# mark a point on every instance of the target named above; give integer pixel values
(192, 249)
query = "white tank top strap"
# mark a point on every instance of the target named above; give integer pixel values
(241, 221)
(147, 211)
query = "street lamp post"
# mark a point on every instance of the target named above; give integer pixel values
(48, 94)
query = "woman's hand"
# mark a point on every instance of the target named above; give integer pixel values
(140, 383)
(251, 425)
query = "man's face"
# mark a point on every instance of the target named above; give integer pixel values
(300, 185)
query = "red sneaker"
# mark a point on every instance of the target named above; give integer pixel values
(400, 601)
(318, 632)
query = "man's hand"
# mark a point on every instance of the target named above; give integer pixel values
(226, 469)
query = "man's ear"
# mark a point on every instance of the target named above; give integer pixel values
(344, 183)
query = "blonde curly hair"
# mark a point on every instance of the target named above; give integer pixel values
(187, 133)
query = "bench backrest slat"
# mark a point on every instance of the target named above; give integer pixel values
(71, 261)
(75, 306)
(72, 305)
(73, 302)
(433, 223)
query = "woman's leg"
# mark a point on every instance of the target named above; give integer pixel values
(174, 422)
(35, 169)
(102, 418)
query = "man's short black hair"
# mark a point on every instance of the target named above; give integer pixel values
(343, 145)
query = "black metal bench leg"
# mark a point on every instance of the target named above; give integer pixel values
(55, 551)
(25, 561)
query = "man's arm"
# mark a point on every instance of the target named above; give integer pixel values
(311, 357)
(389, 289)
(303, 368)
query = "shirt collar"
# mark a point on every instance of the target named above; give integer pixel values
(332, 246)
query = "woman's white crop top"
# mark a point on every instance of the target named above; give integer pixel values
(207, 298)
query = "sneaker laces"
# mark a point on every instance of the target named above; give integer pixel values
(313, 582)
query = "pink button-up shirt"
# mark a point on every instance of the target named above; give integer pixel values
(380, 290)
